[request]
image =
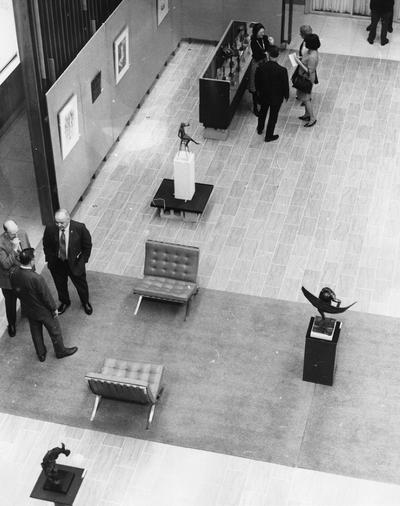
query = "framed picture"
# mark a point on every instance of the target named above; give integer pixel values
(121, 54)
(162, 10)
(96, 87)
(68, 125)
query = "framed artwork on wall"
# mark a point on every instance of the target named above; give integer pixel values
(162, 10)
(68, 125)
(121, 55)
(95, 86)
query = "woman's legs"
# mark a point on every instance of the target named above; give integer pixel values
(309, 110)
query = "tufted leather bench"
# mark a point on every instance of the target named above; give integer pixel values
(170, 273)
(138, 382)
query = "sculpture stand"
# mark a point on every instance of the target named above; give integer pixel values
(184, 178)
(71, 480)
(319, 355)
(65, 478)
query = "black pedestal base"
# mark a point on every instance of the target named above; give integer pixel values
(59, 498)
(319, 356)
(65, 478)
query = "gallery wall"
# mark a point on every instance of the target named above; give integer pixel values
(100, 123)
(207, 19)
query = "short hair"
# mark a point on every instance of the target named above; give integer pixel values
(256, 28)
(26, 256)
(305, 29)
(273, 51)
(312, 41)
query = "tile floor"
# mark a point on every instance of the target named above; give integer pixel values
(123, 471)
(319, 207)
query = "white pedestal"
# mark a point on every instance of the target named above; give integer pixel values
(184, 183)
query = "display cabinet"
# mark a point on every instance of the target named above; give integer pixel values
(225, 77)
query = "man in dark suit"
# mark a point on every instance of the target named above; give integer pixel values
(12, 242)
(381, 10)
(272, 85)
(38, 305)
(67, 246)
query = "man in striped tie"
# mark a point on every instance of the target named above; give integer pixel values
(67, 245)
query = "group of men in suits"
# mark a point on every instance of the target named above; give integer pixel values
(67, 246)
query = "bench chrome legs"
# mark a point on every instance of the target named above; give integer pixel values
(96, 405)
(138, 304)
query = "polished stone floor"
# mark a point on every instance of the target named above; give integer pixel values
(319, 207)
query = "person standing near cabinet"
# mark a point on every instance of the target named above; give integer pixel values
(272, 84)
(259, 44)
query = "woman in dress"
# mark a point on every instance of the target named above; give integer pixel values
(259, 46)
(308, 68)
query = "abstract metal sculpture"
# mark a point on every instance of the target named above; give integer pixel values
(55, 477)
(184, 137)
(323, 303)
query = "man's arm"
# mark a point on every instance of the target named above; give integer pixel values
(8, 260)
(86, 243)
(45, 294)
(285, 84)
(47, 244)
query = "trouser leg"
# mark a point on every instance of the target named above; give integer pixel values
(59, 272)
(37, 336)
(262, 116)
(81, 286)
(385, 25)
(375, 17)
(10, 300)
(273, 118)
(53, 328)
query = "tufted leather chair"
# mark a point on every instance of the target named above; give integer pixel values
(123, 380)
(170, 273)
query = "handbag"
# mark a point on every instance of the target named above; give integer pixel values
(301, 83)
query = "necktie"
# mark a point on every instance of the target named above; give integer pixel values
(63, 250)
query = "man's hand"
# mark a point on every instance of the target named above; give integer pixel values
(15, 243)
(55, 314)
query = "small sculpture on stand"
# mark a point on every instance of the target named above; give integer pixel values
(326, 302)
(56, 480)
(185, 138)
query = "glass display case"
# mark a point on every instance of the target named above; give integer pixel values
(225, 78)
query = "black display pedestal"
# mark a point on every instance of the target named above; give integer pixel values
(319, 356)
(58, 498)
(165, 201)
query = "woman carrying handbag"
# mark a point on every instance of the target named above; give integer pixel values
(307, 76)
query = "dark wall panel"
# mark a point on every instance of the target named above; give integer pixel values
(11, 97)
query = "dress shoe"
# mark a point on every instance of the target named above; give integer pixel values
(11, 330)
(67, 352)
(384, 42)
(305, 117)
(88, 308)
(272, 138)
(42, 358)
(259, 131)
(370, 41)
(63, 307)
(310, 124)
(368, 28)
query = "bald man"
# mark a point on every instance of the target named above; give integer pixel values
(67, 246)
(12, 241)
